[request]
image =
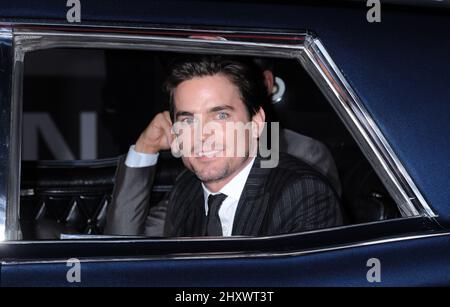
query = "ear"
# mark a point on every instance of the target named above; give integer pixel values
(258, 121)
(268, 80)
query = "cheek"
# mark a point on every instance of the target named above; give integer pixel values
(222, 135)
(229, 138)
(187, 161)
(238, 136)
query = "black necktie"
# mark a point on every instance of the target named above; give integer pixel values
(213, 226)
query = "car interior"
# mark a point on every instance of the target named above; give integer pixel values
(124, 89)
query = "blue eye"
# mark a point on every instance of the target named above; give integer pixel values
(188, 120)
(222, 115)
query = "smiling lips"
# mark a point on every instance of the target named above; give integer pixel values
(208, 155)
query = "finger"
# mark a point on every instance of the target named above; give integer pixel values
(166, 125)
(160, 121)
(166, 115)
(167, 130)
(169, 137)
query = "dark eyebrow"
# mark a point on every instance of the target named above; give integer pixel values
(183, 113)
(212, 110)
(221, 108)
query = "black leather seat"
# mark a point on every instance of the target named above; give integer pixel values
(73, 196)
(365, 197)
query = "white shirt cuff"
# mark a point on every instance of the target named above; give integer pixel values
(139, 159)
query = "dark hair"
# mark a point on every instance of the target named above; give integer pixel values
(264, 63)
(242, 72)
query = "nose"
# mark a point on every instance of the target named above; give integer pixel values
(205, 135)
(211, 134)
(205, 129)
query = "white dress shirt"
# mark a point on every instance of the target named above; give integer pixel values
(139, 159)
(232, 189)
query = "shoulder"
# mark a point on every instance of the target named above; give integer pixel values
(293, 173)
(300, 198)
(290, 166)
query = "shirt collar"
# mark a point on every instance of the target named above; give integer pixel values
(234, 188)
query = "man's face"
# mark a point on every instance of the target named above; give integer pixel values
(206, 108)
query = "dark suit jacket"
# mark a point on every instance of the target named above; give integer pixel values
(291, 197)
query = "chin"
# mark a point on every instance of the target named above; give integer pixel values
(209, 173)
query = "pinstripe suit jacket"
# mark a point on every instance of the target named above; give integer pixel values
(291, 197)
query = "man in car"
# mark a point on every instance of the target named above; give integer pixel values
(218, 194)
(296, 144)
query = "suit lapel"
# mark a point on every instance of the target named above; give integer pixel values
(187, 214)
(196, 220)
(253, 203)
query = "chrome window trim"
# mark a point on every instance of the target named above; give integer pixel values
(131, 239)
(410, 202)
(6, 72)
(230, 255)
(310, 52)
